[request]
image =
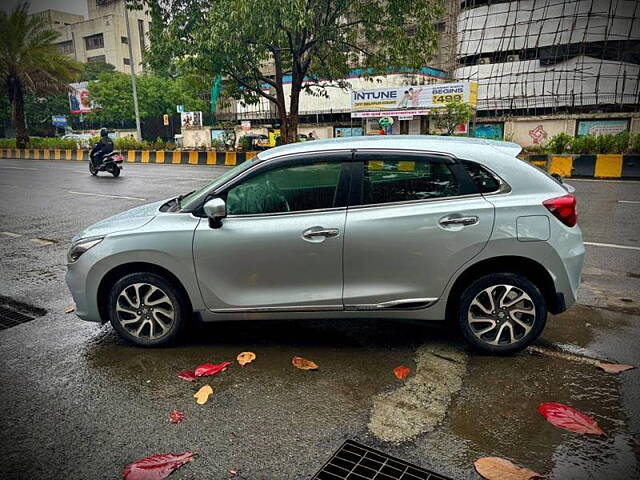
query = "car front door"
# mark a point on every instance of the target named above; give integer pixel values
(414, 219)
(280, 246)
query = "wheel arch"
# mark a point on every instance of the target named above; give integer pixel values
(528, 268)
(116, 273)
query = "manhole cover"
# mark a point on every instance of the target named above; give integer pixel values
(14, 313)
(354, 461)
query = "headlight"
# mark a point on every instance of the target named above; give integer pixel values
(80, 247)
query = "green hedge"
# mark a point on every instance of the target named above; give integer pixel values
(42, 142)
(591, 144)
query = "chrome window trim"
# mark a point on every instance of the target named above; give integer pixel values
(414, 202)
(296, 212)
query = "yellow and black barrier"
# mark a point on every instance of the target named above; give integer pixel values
(181, 157)
(614, 165)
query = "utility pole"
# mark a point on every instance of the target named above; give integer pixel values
(133, 73)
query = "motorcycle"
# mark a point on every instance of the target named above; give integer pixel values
(111, 162)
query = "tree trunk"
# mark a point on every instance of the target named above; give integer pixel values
(17, 112)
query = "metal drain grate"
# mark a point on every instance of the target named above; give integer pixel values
(10, 318)
(354, 461)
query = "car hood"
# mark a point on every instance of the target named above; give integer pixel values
(129, 220)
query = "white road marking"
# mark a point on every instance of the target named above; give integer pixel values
(611, 245)
(628, 201)
(11, 234)
(18, 168)
(103, 195)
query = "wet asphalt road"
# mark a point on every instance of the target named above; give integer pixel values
(80, 404)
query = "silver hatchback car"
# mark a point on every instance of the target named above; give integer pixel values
(406, 227)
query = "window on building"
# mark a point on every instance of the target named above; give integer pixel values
(124, 40)
(66, 48)
(97, 59)
(141, 34)
(93, 42)
(126, 61)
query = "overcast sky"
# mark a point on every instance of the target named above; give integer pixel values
(71, 6)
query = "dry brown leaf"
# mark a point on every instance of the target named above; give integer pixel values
(246, 357)
(303, 363)
(70, 309)
(202, 395)
(614, 367)
(496, 468)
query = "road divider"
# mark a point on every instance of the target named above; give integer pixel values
(135, 156)
(568, 166)
(590, 166)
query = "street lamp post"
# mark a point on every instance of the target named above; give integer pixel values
(133, 73)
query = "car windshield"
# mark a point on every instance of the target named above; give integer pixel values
(194, 199)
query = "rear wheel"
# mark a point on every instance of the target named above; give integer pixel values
(502, 313)
(115, 170)
(147, 310)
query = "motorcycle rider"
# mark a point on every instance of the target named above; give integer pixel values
(102, 148)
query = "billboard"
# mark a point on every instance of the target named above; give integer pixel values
(191, 119)
(410, 100)
(79, 99)
(602, 127)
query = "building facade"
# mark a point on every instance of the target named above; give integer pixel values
(102, 37)
(550, 66)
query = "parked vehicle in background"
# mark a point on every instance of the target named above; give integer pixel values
(428, 228)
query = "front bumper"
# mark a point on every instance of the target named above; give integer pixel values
(86, 307)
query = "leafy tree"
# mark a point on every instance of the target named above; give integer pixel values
(256, 44)
(156, 96)
(30, 63)
(92, 70)
(451, 115)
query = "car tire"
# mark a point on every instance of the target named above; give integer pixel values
(147, 310)
(501, 313)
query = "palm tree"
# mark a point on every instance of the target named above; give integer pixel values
(30, 63)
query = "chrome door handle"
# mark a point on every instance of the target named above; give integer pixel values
(459, 221)
(313, 232)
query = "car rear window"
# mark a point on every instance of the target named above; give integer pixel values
(484, 180)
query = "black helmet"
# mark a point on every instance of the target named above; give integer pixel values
(104, 132)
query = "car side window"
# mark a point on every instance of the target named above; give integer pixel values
(484, 180)
(396, 180)
(286, 189)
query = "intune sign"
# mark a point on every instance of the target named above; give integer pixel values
(416, 99)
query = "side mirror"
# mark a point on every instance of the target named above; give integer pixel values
(216, 210)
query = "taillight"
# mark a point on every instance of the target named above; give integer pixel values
(564, 209)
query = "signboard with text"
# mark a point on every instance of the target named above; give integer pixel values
(410, 100)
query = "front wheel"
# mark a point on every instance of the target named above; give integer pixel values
(147, 310)
(502, 313)
(92, 168)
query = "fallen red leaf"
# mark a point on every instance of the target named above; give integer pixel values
(496, 468)
(303, 363)
(614, 367)
(208, 369)
(187, 375)
(401, 372)
(567, 418)
(156, 467)
(176, 416)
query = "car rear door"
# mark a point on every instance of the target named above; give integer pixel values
(280, 247)
(413, 220)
